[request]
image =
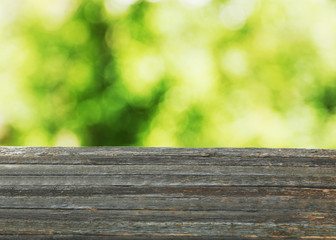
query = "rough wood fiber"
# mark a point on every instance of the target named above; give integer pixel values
(167, 193)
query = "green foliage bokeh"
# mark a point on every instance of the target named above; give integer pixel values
(187, 73)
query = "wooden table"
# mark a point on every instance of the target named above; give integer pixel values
(167, 193)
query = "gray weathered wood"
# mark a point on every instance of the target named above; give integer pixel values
(167, 193)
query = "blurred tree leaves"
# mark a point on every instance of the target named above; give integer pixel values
(168, 73)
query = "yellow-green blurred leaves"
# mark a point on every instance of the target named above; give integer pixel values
(141, 71)
(168, 73)
(75, 33)
(51, 13)
(234, 13)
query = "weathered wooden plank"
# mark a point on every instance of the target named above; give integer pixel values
(170, 180)
(168, 203)
(197, 217)
(168, 228)
(195, 170)
(167, 193)
(165, 156)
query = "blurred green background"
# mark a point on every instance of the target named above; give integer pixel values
(187, 73)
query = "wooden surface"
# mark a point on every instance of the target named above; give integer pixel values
(167, 193)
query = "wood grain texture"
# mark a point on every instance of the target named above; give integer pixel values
(167, 193)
